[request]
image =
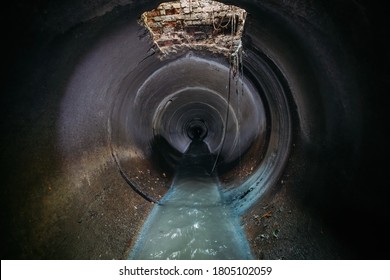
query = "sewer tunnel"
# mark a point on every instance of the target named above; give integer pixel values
(98, 115)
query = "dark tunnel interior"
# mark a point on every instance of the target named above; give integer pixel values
(96, 125)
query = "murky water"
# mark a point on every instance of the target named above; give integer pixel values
(192, 222)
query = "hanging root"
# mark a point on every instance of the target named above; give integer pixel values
(236, 66)
(177, 26)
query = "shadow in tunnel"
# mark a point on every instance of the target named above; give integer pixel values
(164, 157)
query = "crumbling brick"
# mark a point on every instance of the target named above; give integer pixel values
(196, 24)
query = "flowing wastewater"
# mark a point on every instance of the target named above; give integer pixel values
(192, 221)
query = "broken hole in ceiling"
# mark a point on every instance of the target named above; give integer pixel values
(195, 24)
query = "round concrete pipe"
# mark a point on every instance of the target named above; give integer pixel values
(95, 124)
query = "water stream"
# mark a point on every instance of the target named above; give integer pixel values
(192, 221)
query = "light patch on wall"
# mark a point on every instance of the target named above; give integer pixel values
(195, 24)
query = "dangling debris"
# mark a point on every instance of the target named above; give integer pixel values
(195, 24)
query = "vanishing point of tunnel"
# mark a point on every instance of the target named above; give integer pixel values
(194, 130)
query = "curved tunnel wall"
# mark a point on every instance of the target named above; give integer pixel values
(85, 84)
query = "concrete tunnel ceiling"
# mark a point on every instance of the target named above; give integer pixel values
(103, 99)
